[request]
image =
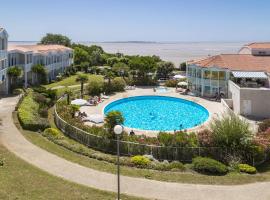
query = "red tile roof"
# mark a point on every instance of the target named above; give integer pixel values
(241, 62)
(38, 48)
(259, 45)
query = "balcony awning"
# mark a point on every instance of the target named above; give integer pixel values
(241, 74)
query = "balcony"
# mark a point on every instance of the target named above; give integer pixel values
(3, 54)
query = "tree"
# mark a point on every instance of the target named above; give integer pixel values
(68, 92)
(112, 60)
(85, 66)
(143, 65)
(80, 56)
(164, 69)
(39, 73)
(109, 75)
(82, 78)
(56, 39)
(112, 119)
(120, 68)
(96, 58)
(183, 66)
(13, 74)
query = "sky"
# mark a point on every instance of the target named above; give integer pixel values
(137, 20)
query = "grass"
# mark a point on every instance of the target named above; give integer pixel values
(181, 177)
(20, 180)
(71, 81)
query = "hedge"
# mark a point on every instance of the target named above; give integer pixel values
(28, 114)
(209, 166)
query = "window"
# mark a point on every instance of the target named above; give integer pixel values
(214, 75)
(207, 74)
(222, 75)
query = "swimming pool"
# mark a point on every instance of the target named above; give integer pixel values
(159, 113)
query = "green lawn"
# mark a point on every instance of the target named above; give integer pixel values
(183, 177)
(20, 180)
(70, 81)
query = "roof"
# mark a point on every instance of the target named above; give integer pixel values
(38, 48)
(241, 74)
(259, 45)
(236, 62)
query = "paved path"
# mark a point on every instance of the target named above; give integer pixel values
(16, 143)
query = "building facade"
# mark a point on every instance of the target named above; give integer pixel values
(3, 61)
(55, 59)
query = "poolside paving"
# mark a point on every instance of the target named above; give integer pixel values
(214, 108)
(16, 143)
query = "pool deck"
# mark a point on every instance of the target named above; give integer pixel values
(214, 108)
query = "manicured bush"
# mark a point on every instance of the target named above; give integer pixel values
(208, 166)
(95, 87)
(28, 114)
(264, 125)
(140, 161)
(118, 84)
(245, 168)
(52, 133)
(171, 83)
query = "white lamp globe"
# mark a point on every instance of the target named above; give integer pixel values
(118, 129)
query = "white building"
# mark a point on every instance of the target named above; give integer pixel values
(3, 61)
(55, 58)
(244, 78)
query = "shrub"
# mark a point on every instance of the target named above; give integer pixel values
(264, 125)
(205, 138)
(118, 84)
(232, 133)
(17, 91)
(177, 165)
(1, 162)
(95, 88)
(166, 139)
(140, 161)
(208, 166)
(184, 139)
(28, 114)
(245, 168)
(112, 119)
(52, 133)
(171, 83)
(43, 111)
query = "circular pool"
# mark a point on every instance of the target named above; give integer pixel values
(159, 113)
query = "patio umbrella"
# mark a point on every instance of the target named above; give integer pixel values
(178, 76)
(79, 102)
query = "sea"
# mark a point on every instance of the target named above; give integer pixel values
(176, 52)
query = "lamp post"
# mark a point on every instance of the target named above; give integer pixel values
(118, 129)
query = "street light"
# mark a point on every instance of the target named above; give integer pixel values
(118, 129)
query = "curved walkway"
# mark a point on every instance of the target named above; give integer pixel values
(16, 143)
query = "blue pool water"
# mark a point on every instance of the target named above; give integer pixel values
(159, 113)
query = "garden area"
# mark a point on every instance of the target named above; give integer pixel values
(234, 148)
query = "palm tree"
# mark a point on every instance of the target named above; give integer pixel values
(13, 74)
(82, 78)
(68, 92)
(109, 75)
